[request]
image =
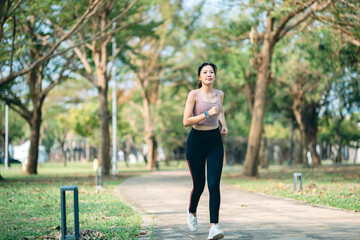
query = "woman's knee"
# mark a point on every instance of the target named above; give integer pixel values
(199, 186)
(214, 186)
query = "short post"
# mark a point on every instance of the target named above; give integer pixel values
(63, 189)
(296, 177)
(97, 177)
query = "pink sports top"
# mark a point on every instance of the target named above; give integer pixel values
(201, 106)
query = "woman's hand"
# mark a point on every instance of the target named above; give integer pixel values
(213, 111)
(224, 131)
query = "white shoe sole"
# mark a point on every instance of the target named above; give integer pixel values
(217, 236)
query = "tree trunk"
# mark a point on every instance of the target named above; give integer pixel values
(311, 124)
(150, 135)
(264, 160)
(355, 155)
(87, 150)
(323, 151)
(31, 167)
(296, 107)
(3, 149)
(62, 141)
(104, 115)
(339, 156)
(127, 151)
(71, 149)
(78, 150)
(291, 152)
(34, 79)
(62, 144)
(256, 129)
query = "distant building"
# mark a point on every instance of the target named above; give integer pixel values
(21, 153)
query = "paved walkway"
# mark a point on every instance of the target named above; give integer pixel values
(163, 198)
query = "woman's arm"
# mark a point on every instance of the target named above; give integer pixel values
(189, 119)
(224, 130)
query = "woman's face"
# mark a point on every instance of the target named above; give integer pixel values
(207, 75)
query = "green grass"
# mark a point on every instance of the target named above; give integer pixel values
(30, 205)
(329, 186)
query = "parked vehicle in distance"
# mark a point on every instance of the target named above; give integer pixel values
(11, 160)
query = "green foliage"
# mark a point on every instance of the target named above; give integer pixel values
(305, 72)
(70, 94)
(170, 129)
(84, 121)
(130, 118)
(329, 66)
(239, 124)
(235, 74)
(24, 198)
(276, 131)
(349, 130)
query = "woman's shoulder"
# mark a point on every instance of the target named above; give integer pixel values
(219, 91)
(192, 94)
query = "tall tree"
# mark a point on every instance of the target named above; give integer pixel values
(319, 67)
(281, 18)
(345, 92)
(37, 70)
(156, 58)
(301, 82)
(94, 58)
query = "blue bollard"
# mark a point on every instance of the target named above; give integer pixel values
(296, 177)
(63, 189)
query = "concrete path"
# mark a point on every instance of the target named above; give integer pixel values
(163, 198)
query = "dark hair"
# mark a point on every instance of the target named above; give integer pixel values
(201, 67)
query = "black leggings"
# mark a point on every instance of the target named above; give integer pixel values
(201, 147)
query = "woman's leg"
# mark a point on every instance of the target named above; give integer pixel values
(214, 169)
(196, 157)
(196, 163)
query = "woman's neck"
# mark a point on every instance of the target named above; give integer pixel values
(206, 89)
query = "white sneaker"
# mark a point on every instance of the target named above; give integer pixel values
(192, 222)
(215, 232)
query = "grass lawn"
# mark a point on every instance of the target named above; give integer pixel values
(329, 186)
(30, 205)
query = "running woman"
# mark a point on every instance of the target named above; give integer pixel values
(203, 111)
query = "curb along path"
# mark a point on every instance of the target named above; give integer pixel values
(163, 197)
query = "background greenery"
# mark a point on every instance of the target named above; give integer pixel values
(317, 59)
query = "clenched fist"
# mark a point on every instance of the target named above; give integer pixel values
(213, 111)
(224, 131)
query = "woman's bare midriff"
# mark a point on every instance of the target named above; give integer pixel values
(205, 128)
